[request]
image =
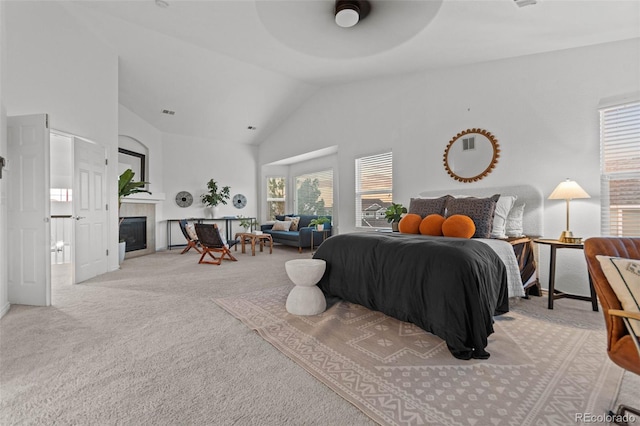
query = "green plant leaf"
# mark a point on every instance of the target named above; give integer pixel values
(127, 186)
(394, 212)
(215, 196)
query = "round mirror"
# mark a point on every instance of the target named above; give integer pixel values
(471, 155)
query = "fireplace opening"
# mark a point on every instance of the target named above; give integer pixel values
(133, 230)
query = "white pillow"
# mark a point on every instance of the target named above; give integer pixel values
(503, 207)
(223, 238)
(624, 277)
(514, 226)
(281, 225)
(191, 232)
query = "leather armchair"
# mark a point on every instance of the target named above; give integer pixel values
(623, 347)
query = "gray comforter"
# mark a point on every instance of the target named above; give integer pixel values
(450, 287)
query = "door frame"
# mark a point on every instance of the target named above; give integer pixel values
(74, 243)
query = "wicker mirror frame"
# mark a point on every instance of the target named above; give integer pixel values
(490, 166)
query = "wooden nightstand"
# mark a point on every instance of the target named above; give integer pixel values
(557, 294)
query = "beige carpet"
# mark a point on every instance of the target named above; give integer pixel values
(539, 373)
(146, 345)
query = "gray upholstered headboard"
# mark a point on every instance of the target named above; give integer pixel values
(531, 196)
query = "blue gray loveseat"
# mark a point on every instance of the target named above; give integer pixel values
(300, 238)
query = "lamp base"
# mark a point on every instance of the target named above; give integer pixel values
(565, 236)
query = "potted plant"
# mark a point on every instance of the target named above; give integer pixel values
(245, 223)
(215, 196)
(393, 214)
(319, 222)
(127, 186)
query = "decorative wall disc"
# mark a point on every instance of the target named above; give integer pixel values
(239, 201)
(184, 199)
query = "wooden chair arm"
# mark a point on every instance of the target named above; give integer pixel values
(625, 314)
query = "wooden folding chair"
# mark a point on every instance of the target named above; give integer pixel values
(211, 242)
(191, 242)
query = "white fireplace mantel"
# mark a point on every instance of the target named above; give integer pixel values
(143, 197)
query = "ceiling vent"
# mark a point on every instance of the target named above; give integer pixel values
(168, 112)
(523, 3)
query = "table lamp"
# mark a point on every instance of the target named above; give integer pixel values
(568, 190)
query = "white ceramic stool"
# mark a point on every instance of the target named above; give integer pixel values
(305, 298)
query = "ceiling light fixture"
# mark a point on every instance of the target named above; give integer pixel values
(350, 12)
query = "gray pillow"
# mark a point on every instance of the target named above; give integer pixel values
(427, 206)
(480, 210)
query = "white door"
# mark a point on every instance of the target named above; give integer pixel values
(89, 210)
(28, 196)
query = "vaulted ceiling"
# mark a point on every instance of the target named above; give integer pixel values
(223, 66)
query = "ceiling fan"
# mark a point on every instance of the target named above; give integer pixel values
(350, 12)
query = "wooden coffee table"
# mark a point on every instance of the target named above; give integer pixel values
(253, 239)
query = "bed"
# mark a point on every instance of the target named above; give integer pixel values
(451, 287)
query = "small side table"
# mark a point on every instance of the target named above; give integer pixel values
(557, 294)
(305, 298)
(253, 239)
(324, 233)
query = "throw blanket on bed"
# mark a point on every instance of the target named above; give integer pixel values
(505, 251)
(450, 287)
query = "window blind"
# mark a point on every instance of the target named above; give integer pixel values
(374, 189)
(620, 170)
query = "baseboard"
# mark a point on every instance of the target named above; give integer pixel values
(5, 309)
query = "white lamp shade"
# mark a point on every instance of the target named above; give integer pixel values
(568, 190)
(346, 18)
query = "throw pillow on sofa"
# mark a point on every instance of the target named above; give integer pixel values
(295, 220)
(281, 225)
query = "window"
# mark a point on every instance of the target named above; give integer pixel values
(314, 193)
(374, 189)
(60, 194)
(620, 170)
(275, 197)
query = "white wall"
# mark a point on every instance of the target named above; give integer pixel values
(183, 163)
(4, 287)
(56, 66)
(131, 125)
(188, 165)
(542, 109)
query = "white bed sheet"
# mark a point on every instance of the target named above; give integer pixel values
(506, 253)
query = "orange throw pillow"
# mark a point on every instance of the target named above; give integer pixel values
(410, 224)
(458, 225)
(432, 225)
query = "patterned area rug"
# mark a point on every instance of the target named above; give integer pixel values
(539, 372)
